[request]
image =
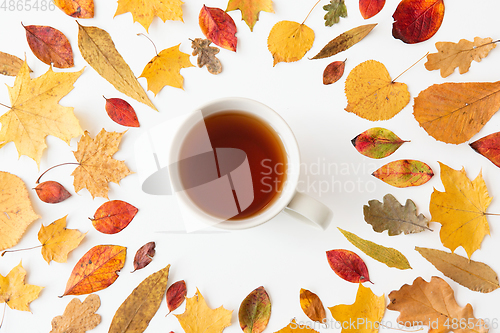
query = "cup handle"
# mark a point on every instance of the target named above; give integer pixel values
(310, 210)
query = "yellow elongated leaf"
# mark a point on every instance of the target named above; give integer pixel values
(386, 255)
(98, 49)
(372, 94)
(469, 273)
(461, 210)
(135, 313)
(14, 292)
(16, 212)
(455, 112)
(344, 41)
(144, 11)
(453, 55)
(289, 41)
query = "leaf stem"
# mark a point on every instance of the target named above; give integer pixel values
(491, 214)
(26, 249)
(406, 70)
(8, 107)
(310, 11)
(3, 315)
(150, 41)
(55, 166)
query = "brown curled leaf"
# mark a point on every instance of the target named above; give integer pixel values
(144, 255)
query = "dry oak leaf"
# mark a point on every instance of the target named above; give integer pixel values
(143, 11)
(461, 210)
(455, 112)
(135, 313)
(96, 270)
(433, 304)
(97, 166)
(289, 41)
(98, 49)
(206, 55)
(367, 311)
(335, 10)
(14, 292)
(372, 94)
(57, 241)
(199, 318)
(78, 317)
(35, 112)
(49, 45)
(9, 64)
(76, 8)
(250, 9)
(164, 69)
(453, 55)
(16, 212)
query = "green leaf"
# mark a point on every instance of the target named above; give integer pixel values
(336, 9)
(377, 142)
(404, 173)
(255, 311)
(386, 255)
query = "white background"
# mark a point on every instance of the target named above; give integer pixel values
(282, 255)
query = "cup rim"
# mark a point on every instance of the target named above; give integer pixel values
(291, 148)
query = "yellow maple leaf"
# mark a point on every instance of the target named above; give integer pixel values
(294, 327)
(97, 167)
(250, 9)
(289, 41)
(35, 112)
(16, 212)
(143, 11)
(461, 210)
(57, 241)
(164, 69)
(366, 312)
(461, 54)
(199, 318)
(372, 94)
(14, 292)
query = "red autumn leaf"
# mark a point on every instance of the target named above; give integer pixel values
(417, 20)
(218, 27)
(348, 265)
(404, 173)
(49, 45)
(113, 216)
(333, 72)
(121, 112)
(370, 8)
(51, 192)
(144, 256)
(489, 147)
(96, 270)
(176, 294)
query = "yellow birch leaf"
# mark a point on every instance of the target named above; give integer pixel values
(98, 49)
(164, 69)
(14, 292)
(250, 9)
(367, 312)
(143, 11)
(289, 41)
(453, 55)
(97, 166)
(461, 210)
(57, 241)
(36, 113)
(16, 212)
(372, 94)
(199, 318)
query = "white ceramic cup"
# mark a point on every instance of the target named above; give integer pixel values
(303, 206)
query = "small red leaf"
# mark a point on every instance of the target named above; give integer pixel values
(218, 27)
(348, 265)
(50, 45)
(121, 112)
(144, 255)
(370, 8)
(176, 294)
(113, 216)
(333, 72)
(489, 147)
(51, 192)
(417, 20)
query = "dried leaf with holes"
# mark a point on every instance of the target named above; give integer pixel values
(206, 55)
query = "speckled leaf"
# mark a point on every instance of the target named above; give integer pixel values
(377, 142)
(344, 41)
(404, 173)
(348, 265)
(255, 311)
